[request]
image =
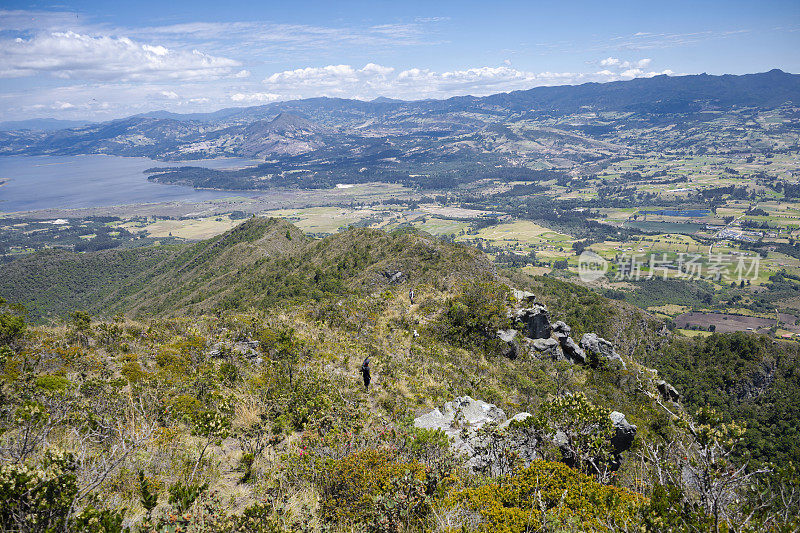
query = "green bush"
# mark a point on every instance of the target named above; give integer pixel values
(472, 318)
(12, 322)
(53, 383)
(546, 496)
(37, 496)
(351, 485)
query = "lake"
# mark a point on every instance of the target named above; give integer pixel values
(44, 182)
(694, 213)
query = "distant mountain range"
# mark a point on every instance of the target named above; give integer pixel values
(42, 124)
(438, 143)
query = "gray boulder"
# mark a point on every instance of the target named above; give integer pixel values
(248, 349)
(462, 417)
(561, 331)
(509, 347)
(624, 432)
(536, 321)
(595, 345)
(667, 391)
(546, 348)
(523, 296)
(573, 352)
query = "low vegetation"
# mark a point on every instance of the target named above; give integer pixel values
(226, 397)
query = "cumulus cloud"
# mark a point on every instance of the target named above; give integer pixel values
(73, 55)
(619, 63)
(416, 83)
(257, 98)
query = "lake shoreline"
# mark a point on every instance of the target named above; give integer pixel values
(98, 180)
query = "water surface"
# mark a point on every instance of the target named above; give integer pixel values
(64, 182)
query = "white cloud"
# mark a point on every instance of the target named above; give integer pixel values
(416, 83)
(639, 73)
(431, 19)
(257, 98)
(72, 55)
(620, 64)
(172, 95)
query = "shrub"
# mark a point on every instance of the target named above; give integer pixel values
(585, 428)
(183, 496)
(53, 383)
(37, 497)
(473, 317)
(406, 503)
(352, 484)
(12, 322)
(546, 495)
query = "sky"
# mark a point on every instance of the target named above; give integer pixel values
(103, 59)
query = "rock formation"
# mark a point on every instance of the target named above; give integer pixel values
(462, 419)
(667, 391)
(536, 321)
(510, 345)
(546, 348)
(462, 414)
(599, 347)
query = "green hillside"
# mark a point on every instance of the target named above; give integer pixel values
(216, 387)
(259, 263)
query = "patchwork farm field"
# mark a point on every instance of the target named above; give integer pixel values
(722, 323)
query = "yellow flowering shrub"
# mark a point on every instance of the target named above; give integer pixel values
(352, 483)
(549, 493)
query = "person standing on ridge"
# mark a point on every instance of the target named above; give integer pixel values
(365, 373)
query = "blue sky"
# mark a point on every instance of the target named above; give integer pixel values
(98, 59)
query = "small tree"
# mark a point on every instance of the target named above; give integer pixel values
(12, 322)
(80, 327)
(212, 427)
(582, 430)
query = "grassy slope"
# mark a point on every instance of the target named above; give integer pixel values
(335, 295)
(269, 263)
(259, 263)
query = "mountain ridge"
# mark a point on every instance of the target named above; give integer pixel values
(258, 262)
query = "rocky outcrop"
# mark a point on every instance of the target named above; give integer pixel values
(667, 391)
(463, 416)
(510, 346)
(573, 352)
(544, 339)
(624, 432)
(394, 276)
(569, 347)
(597, 346)
(536, 321)
(561, 331)
(247, 349)
(462, 419)
(546, 348)
(523, 296)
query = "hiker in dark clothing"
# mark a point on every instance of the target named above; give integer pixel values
(411, 295)
(365, 372)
